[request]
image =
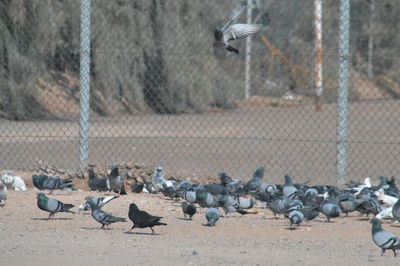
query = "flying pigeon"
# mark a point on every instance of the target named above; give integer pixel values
(226, 34)
(52, 205)
(383, 239)
(212, 216)
(115, 182)
(3, 193)
(101, 216)
(189, 209)
(95, 183)
(142, 219)
(97, 202)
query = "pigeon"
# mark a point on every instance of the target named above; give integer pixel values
(255, 182)
(52, 205)
(230, 204)
(330, 210)
(137, 187)
(385, 199)
(384, 239)
(43, 182)
(101, 216)
(295, 217)
(142, 219)
(14, 181)
(396, 211)
(348, 205)
(189, 196)
(385, 213)
(3, 193)
(115, 182)
(97, 202)
(189, 209)
(224, 178)
(226, 34)
(158, 179)
(212, 216)
(288, 189)
(95, 183)
(185, 185)
(206, 199)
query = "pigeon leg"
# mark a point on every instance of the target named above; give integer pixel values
(130, 230)
(49, 217)
(102, 226)
(394, 252)
(383, 251)
(184, 215)
(152, 231)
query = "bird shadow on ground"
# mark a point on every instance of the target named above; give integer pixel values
(395, 225)
(47, 219)
(95, 228)
(184, 219)
(363, 219)
(141, 233)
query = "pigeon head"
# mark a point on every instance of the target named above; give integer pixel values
(259, 173)
(40, 195)
(288, 180)
(376, 225)
(114, 171)
(159, 168)
(133, 207)
(218, 34)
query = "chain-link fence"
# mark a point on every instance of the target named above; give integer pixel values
(161, 94)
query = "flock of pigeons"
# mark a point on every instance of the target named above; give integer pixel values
(296, 202)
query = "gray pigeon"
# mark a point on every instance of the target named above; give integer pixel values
(95, 183)
(295, 217)
(383, 239)
(212, 216)
(230, 204)
(98, 202)
(226, 34)
(3, 193)
(115, 182)
(396, 211)
(103, 217)
(52, 205)
(288, 189)
(43, 181)
(189, 209)
(256, 181)
(189, 196)
(330, 210)
(206, 199)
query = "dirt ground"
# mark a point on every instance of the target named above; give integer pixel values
(27, 238)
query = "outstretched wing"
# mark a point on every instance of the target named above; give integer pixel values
(238, 31)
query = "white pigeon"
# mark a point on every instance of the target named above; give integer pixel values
(386, 199)
(385, 213)
(3, 193)
(16, 182)
(158, 179)
(367, 183)
(226, 34)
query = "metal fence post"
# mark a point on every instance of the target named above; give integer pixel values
(248, 52)
(318, 54)
(342, 126)
(85, 84)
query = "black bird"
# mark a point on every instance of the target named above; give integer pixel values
(189, 209)
(142, 219)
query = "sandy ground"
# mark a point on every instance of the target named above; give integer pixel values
(27, 238)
